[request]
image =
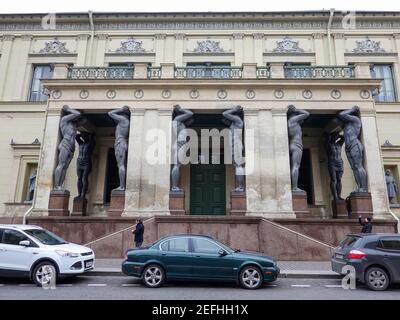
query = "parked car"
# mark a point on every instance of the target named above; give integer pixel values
(198, 258)
(31, 251)
(375, 257)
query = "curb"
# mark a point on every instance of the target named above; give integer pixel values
(283, 274)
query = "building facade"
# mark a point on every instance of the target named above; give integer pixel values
(323, 62)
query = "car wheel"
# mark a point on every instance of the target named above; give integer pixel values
(45, 273)
(377, 279)
(251, 277)
(153, 276)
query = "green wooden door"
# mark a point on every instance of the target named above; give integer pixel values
(207, 189)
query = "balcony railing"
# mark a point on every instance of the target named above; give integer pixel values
(208, 72)
(263, 73)
(110, 73)
(154, 73)
(319, 72)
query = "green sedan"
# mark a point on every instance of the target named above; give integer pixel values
(198, 258)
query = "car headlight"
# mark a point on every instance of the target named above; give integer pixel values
(67, 254)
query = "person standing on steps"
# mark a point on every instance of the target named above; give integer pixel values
(366, 224)
(138, 232)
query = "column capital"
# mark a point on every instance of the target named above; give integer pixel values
(179, 36)
(318, 35)
(137, 111)
(338, 35)
(396, 36)
(27, 37)
(160, 36)
(82, 36)
(251, 112)
(102, 36)
(165, 112)
(7, 37)
(238, 35)
(258, 36)
(281, 112)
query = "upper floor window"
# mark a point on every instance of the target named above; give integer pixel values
(387, 91)
(40, 72)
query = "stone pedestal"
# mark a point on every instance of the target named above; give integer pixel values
(117, 203)
(300, 206)
(339, 209)
(58, 203)
(79, 207)
(177, 202)
(361, 204)
(238, 203)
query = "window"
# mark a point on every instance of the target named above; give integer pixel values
(350, 241)
(205, 246)
(39, 72)
(390, 244)
(45, 237)
(13, 237)
(387, 90)
(176, 245)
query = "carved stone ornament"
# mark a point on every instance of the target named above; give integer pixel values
(287, 45)
(131, 46)
(307, 94)
(279, 94)
(222, 94)
(336, 94)
(208, 46)
(111, 94)
(368, 46)
(139, 94)
(250, 94)
(84, 94)
(194, 94)
(54, 47)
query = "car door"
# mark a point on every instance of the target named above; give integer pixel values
(208, 263)
(391, 254)
(14, 256)
(176, 257)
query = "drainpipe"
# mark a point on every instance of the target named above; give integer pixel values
(90, 13)
(328, 30)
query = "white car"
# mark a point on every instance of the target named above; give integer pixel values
(34, 252)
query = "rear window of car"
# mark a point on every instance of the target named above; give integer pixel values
(349, 241)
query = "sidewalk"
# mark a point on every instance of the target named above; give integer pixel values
(289, 269)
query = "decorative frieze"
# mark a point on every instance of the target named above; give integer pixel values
(54, 47)
(131, 46)
(208, 46)
(368, 46)
(287, 45)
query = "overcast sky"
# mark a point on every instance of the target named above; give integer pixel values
(45, 6)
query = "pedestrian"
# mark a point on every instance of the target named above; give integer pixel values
(348, 207)
(366, 224)
(138, 232)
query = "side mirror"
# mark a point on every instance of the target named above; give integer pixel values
(25, 243)
(222, 253)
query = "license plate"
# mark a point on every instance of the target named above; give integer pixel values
(339, 256)
(89, 264)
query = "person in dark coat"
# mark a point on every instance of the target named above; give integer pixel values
(366, 225)
(138, 232)
(348, 207)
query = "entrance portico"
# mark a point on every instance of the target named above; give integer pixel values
(264, 102)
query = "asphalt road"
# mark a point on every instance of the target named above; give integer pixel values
(127, 288)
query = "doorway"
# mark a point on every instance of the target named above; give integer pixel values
(305, 176)
(207, 189)
(112, 179)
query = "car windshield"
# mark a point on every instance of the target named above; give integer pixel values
(349, 241)
(46, 237)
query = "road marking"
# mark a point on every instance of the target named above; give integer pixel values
(27, 285)
(131, 285)
(301, 285)
(333, 286)
(1, 285)
(271, 285)
(64, 285)
(97, 285)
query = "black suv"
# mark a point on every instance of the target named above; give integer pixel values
(375, 257)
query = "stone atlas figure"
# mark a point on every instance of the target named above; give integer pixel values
(391, 187)
(334, 145)
(354, 149)
(234, 119)
(296, 118)
(86, 142)
(181, 119)
(31, 187)
(121, 116)
(69, 123)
